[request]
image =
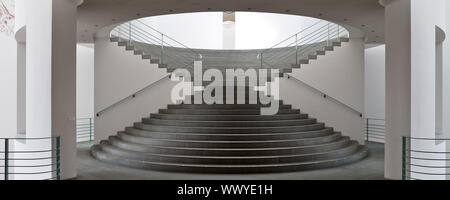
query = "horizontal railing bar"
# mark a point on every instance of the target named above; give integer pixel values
(420, 151)
(430, 139)
(296, 34)
(426, 173)
(43, 158)
(428, 166)
(32, 173)
(429, 159)
(30, 166)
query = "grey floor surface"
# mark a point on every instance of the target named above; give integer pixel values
(371, 168)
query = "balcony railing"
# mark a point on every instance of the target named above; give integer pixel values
(30, 158)
(425, 159)
(375, 130)
(85, 129)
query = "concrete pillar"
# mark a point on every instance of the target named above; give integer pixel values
(51, 75)
(411, 82)
(398, 83)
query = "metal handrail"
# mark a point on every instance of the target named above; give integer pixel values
(421, 160)
(132, 96)
(22, 157)
(324, 95)
(298, 41)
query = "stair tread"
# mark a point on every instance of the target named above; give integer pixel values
(361, 150)
(236, 142)
(352, 144)
(340, 140)
(229, 128)
(236, 134)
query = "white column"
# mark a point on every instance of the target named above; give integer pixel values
(411, 81)
(51, 75)
(398, 83)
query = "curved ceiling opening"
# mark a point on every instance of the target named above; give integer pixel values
(222, 30)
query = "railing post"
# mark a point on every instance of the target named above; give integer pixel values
(328, 33)
(261, 61)
(404, 158)
(58, 159)
(338, 33)
(367, 129)
(129, 33)
(90, 129)
(6, 159)
(296, 49)
(162, 48)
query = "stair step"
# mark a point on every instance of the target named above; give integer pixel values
(144, 148)
(337, 44)
(304, 61)
(154, 61)
(228, 123)
(146, 57)
(344, 39)
(329, 48)
(232, 160)
(229, 137)
(229, 117)
(223, 112)
(224, 106)
(320, 52)
(114, 39)
(230, 130)
(228, 144)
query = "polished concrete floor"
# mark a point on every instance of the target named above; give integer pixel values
(371, 168)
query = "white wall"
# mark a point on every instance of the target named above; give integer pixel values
(375, 82)
(8, 76)
(85, 81)
(118, 74)
(339, 74)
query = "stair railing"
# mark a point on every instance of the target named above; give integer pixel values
(304, 43)
(30, 158)
(142, 38)
(326, 96)
(425, 158)
(132, 96)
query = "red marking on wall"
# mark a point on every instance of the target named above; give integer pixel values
(6, 19)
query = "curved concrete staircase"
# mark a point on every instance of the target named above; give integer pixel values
(228, 139)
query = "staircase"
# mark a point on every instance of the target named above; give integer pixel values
(231, 138)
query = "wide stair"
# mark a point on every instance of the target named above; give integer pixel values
(230, 138)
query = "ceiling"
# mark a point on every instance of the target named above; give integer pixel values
(365, 15)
